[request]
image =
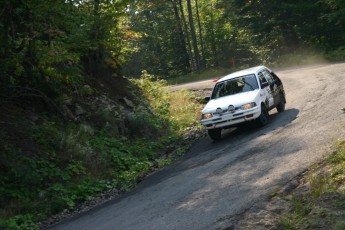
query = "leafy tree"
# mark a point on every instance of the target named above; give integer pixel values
(51, 45)
(161, 50)
(43, 43)
(329, 30)
(277, 29)
(39, 43)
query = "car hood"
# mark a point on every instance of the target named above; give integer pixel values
(235, 100)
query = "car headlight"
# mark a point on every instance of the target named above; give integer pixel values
(207, 115)
(248, 106)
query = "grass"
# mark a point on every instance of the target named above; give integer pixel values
(291, 219)
(184, 111)
(180, 108)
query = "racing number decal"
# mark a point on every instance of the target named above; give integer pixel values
(270, 96)
(269, 90)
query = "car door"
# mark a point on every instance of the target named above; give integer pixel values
(266, 87)
(273, 88)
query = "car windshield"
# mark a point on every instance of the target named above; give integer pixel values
(235, 86)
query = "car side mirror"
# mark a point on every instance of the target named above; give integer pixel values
(264, 85)
(207, 99)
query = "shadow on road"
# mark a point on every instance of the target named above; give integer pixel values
(205, 149)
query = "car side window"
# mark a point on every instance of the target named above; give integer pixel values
(262, 78)
(218, 90)
(268, 76)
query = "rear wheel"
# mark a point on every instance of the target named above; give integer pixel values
(262, 120)
(281, 106)
(215, 134)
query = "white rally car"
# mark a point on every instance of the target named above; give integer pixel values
(246, 95)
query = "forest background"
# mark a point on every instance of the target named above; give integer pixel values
(69, 104)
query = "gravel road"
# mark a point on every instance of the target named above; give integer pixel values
(216, 182)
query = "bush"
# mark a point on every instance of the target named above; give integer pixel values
(178, 109)
(336, 55)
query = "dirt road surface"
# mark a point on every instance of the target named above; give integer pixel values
(216, 182)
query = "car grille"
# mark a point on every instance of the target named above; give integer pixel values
(227, 111)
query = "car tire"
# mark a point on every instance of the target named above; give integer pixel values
(262, 120)
(281, 106)
(215, 134)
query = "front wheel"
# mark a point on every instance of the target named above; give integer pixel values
(215, 134)
(262, 120)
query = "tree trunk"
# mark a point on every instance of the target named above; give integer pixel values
(290, 37)
(190, 53)
(96, 20)
(202, 61)
(192, 31)
(93, 62)
(30, 55)
(184, 55)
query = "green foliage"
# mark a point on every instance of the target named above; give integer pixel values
(336, 55)
(320, 184)
(156, 92)
(120, 156)
(155, 39)
(333, 182)
(19, 222)
(337, 160)
(184, 111)
(253, 32)
(41, 42)
(292, 219)
(44, 45)
(40, 46)
(176, 108)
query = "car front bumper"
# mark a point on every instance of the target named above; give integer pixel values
(230, 119)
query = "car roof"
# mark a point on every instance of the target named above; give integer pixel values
(253, 70)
